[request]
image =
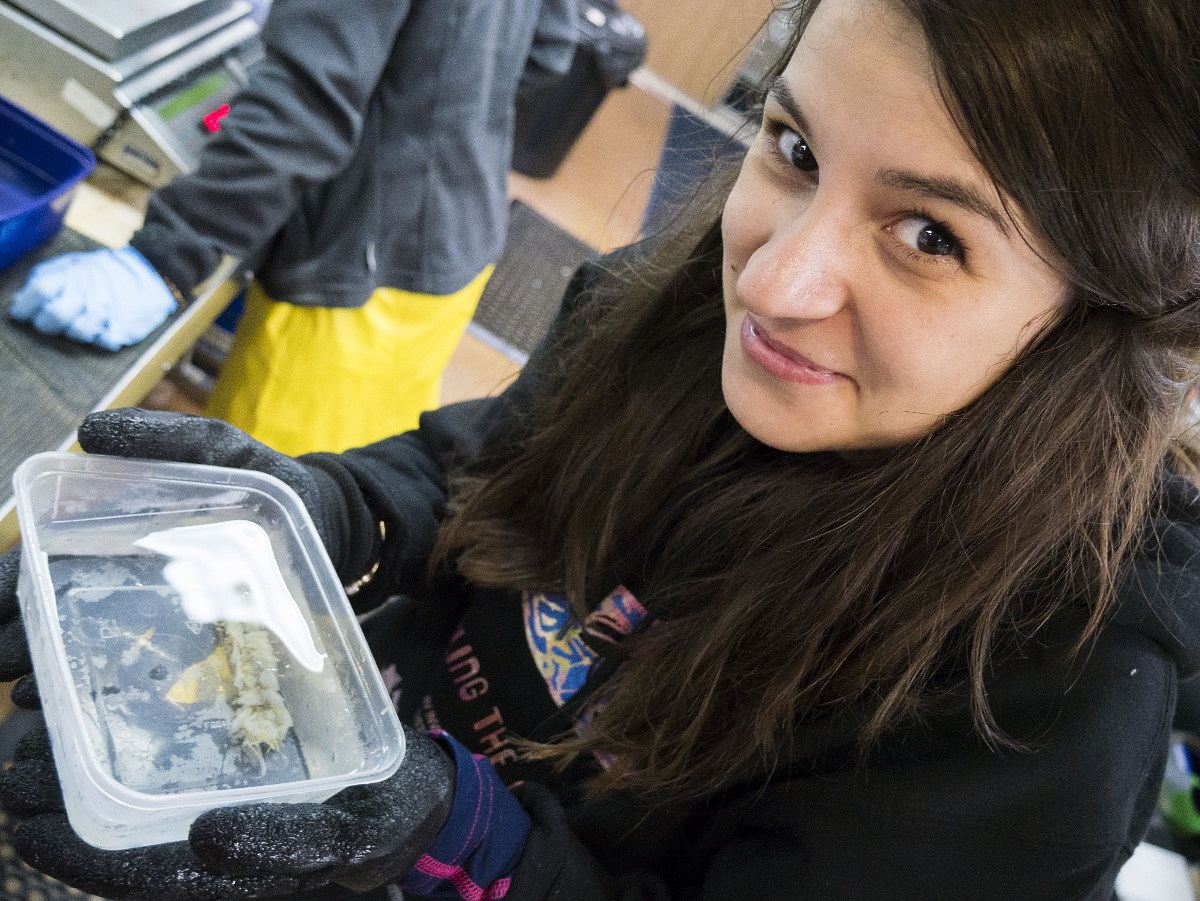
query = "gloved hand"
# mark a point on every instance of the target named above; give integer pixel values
(14, 651)
(362, 837)
(105, 297)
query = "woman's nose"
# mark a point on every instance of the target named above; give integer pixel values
(804, 267)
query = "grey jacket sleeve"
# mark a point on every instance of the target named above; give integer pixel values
(295, 125)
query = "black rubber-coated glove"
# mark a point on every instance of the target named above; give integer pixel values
(14, 650)
(361, 838)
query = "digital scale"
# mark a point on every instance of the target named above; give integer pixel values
(144, 83)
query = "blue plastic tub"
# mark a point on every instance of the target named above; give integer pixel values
(39, 169)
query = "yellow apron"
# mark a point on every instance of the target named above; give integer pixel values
(304, 379)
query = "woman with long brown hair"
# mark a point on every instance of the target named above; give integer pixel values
(840, 543)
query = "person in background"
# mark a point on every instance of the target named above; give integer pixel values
(362, 177)
(842, 543)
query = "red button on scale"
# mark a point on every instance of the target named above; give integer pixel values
(213, 120)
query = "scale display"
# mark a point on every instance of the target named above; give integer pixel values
(193, 114)
(196, 95)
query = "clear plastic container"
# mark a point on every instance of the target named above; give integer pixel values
(140, 698)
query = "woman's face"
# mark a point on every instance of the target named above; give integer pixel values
(873, 282)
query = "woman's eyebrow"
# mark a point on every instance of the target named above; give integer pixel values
(782, 94)
(959, 193)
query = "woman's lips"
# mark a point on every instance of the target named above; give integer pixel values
(780, 361)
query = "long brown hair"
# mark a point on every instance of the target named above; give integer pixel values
(793, 587)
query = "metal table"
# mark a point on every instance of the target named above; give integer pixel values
(47, 385)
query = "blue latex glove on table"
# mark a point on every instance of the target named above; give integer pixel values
(106, 297)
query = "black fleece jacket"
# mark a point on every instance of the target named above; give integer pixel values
(935, 814)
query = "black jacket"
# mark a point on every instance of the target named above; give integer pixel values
(936, 813)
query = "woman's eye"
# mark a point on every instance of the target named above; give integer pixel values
(928, 237)
(795, 150)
